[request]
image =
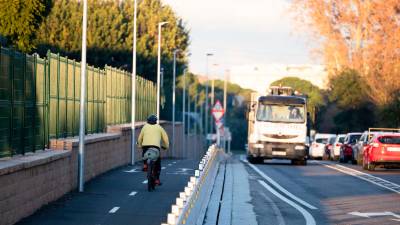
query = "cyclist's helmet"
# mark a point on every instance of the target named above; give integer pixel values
(152, 119)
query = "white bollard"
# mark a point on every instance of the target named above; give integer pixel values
(188, 191)
(180, 203)
(182, 196)
(171, 219)
(175, 210)
(191, 185)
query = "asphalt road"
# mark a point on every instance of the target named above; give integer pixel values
(119, 197)
(323, 193)
(274, 192)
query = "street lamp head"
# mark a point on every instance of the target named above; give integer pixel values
(162, 23)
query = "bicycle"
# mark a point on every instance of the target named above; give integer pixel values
(151, 156)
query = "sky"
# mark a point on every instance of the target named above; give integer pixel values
(248, 33)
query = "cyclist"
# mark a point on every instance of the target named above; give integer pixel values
(151, 136)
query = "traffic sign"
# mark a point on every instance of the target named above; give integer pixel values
(218, 111)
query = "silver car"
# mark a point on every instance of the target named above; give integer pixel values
(336, 146)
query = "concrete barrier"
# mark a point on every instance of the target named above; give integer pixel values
(190, 206)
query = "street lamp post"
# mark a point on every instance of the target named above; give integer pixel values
(159, 68)
(173, 101)
(133, 95)
(207, 109)
(81, 155)
(183, 110)
(212, 97)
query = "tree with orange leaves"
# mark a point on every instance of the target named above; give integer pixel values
(358, 34)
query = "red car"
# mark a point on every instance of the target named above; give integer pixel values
(383, 150)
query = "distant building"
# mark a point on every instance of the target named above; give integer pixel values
(259, 78)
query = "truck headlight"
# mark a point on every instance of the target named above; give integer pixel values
(299, 147)
(258, 146)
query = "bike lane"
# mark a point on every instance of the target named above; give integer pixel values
(119, 197)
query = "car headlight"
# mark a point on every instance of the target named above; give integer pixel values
(299, 147)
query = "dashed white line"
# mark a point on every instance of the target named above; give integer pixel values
(163, 168)
(144, 182)
(307, 216)
(133, 193)
(113, 210)
(169, 165)
(282, 189)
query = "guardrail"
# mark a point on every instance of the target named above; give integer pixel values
(188, 208)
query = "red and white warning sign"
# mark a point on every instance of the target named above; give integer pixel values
(218, 111)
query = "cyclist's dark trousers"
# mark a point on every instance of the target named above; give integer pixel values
(158, 161)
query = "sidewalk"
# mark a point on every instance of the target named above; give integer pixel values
(229, 203)
(119, 197)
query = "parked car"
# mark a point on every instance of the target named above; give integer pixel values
(346, 150)
(336, 146)
(317, 149)
(329, 148)
(382, 150)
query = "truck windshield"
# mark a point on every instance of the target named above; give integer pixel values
(281, 113)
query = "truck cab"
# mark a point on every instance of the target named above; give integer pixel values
(278, 127)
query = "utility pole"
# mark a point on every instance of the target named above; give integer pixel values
(81, 155)
(183, 111)
(173, 102)
(133, 95)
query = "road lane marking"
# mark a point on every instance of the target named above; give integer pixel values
(163, 168)
(173, 162)
(275, 208)
(133, 193)
(113, 210)
(169, 164)
(282, 189)
(132, 171)
(145, 182)
(365, 176)
(307, 216)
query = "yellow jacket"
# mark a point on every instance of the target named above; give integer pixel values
(152, 135)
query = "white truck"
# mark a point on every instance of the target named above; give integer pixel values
(278, 126)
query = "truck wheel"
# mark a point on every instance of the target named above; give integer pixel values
(303, 162)
(255, 160)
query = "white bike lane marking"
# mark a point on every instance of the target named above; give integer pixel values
(113, 210)
(307, 216)
(364, 176)
(282, 189)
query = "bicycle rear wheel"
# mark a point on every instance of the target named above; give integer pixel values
(150, 176)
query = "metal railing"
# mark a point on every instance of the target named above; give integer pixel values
(39, 100)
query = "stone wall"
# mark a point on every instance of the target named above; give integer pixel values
(29, 182)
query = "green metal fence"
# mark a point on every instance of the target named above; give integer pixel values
(39, 100)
